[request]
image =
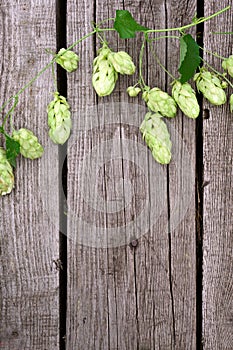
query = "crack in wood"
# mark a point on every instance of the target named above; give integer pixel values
(199, 193)
(62, 88)
(168, 208)
(170, 262)
(136, 299)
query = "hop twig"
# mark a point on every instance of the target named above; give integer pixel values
(59, 120)
(227, 64)
(211, 87)
(186, 99)
(157, 137)
(29, 145)
(133, 91)
(104, 76)
(122, 62)
(6, 174)
(68, 60)
(159, 101)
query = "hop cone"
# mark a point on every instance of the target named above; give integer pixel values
(133, 91)
(211, 87)
(157, 137)
(122, 62)
(186, 99)
(231, 103)
(227, 64)
(69, 60)
(6, 174)
(104, 76)
(29, 145)
(159, 101)
(59, 120)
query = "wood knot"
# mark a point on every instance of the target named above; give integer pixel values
(133, 244)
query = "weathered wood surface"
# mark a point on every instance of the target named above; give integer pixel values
(139, 296)
(133, 226)
(218, 201)
(29, 316)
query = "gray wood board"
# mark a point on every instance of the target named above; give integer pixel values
(29, 317)
(122, 295)
(218, 198)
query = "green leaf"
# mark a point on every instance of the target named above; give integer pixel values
(183, 49)
(12, 150)
(189, 57)
(126, 25)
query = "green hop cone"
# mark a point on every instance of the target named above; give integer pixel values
(159, 101)
(122, 62)
(68, 60)
(133, 91)
(231, 103)
(227, 64)
(6, 174)
(224, 84)
(59, 120)
(104, 76)
(29, 145)
(186, 99)
(211, 87)
(157, 137)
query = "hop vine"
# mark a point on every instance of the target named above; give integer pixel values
(106, 68)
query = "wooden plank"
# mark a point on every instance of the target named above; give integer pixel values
(218, 198)
(139, 295)
(29, 317)
(182, 198)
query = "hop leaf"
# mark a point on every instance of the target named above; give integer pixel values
(189, 57)
(211, 87)
(59, 120)
(6, 174)
(159, 101)
(104, 76)
(29, 145)
(126, 25)
(157, 137)
(68, 60)
(12, 150)
(122, 62)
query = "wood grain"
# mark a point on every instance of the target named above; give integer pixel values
(139, 295)
(131, 223)
(182, 198)
(29, 317)
(218, 199)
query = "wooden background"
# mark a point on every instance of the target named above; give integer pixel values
(167, 289)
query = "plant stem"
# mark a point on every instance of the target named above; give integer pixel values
(189, 25)
(222, 33)
(104, 21)
(54, 78)
(141, 80)
(10, 111)
(45, 68)
(165, 37)
(98, 30)
(159, 62)
(53, 60)
(212, 53)
(40, 73)
(218, 73)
